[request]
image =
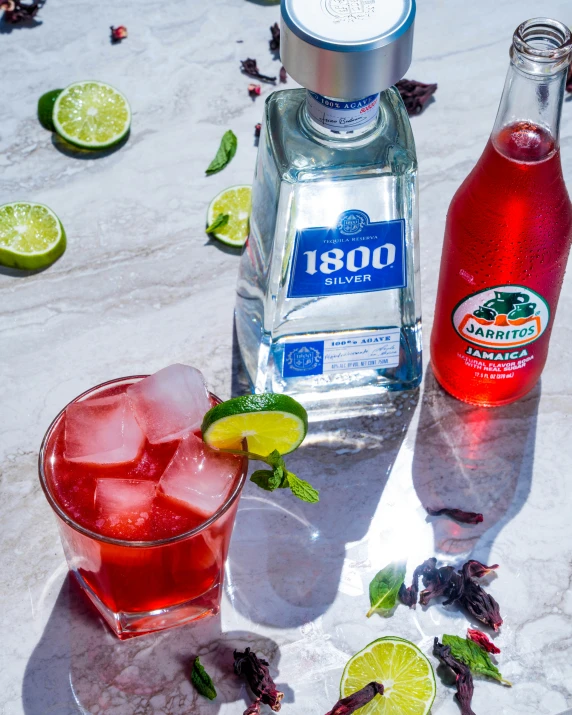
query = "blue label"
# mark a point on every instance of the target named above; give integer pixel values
(356, 256)
(302, 359)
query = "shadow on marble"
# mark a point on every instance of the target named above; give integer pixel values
(476, 459)
(240, 384)
(80, 666)
(21, 272)
(286, 561)
(7, 27)
(76, 152)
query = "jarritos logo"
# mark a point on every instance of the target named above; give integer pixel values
(501, 321)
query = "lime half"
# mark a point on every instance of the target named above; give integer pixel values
(31, 236)
(403, 670)
(268, 422)
(92, 115)
(236, 203)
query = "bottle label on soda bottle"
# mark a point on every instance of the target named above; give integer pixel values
(353, 256)
(342, 115)
(501, 321)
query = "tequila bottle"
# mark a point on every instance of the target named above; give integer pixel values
(328, 299)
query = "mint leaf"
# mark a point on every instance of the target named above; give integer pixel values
(202, 680)
(302, 489)
(384, 588)
(472, 655)
(220, 221)
(266, 479)
(226, 151)
(275, 459)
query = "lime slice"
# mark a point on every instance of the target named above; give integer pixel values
(31, 236)
(235, 202)
(267, 422)
(403, 670)
(92, 115)
(46, 108)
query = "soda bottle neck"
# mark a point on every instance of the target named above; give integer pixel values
(527, 126)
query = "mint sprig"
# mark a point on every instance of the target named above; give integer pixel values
(220, 221)
(384, 589)
(278, 477)
(226, 151)
(202, 680)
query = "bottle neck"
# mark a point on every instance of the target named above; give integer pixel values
(527, 126)
(340, 119)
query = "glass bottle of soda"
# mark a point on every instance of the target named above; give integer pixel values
(508, 235)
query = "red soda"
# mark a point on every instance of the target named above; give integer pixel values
(507, 239)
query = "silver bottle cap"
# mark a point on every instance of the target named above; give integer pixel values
(346, 48)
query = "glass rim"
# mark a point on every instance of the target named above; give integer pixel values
(109, 539)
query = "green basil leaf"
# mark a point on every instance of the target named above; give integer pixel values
(266, 479)
(475, 657)
(226, 151)
(220, 221)
(384, 588)
(302, 489)
(202, 680)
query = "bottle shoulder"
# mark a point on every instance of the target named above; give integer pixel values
(299, 156)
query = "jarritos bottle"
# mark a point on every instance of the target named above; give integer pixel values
(508, 235)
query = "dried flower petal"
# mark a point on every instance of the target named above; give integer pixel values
(275, 41)
(415, 94)
(118, 33)
(444, 581)
(254, 90)
(465, 517)
(283, 75)
(256, 673)
(16, 11)
(463, 677)
(355, 701)
(257, 130)
(483, 640)
(408, 596)
(475, 569)
(250, 68)
(253, 709)
(569, 80)
(481, 604)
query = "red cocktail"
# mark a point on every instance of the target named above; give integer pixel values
(145, 508)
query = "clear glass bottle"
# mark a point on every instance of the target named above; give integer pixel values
(328, 299)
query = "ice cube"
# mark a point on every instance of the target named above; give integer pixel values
(102, 431)
(198, 477)
(170, 403)
(124, 507)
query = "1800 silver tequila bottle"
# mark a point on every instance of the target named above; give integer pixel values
(328, 299)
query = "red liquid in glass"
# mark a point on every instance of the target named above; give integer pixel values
(128, 578)
(509, 230)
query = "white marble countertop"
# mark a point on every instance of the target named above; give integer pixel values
(140, 286)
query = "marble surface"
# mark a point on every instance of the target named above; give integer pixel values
(140, 286)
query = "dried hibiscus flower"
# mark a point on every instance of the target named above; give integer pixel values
(254, 90)
(257, 130)
(463, 677)
(275, 41)
(465, 517)
(357, 700)
(250, 67)
(16, 11)
(118, 33)
(415, 95)
(483, 640)
(283, 75)
(457, 587)
(569, 80)
(255, 671)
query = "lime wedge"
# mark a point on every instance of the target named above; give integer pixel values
(46, 108)
(31, 236)
(268, 422)
(92, 115)
(236, 203)
(403, 670)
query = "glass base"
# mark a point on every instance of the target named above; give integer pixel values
(127, 625)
